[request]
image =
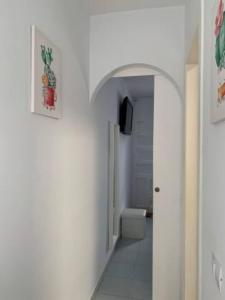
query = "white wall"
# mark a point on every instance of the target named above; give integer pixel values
(53, 175)
(106, 108)
(193, 22)
(124, 173)
(151, 36)
(142, 153)
(102, 6)
(213, 204)
(44, 188)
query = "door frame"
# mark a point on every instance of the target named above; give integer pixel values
(192, 205)
(140, 69)
(191, 183)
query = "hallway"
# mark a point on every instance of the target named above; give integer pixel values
(129, 273)
(76, 154)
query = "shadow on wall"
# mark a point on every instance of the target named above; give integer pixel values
(105, 110)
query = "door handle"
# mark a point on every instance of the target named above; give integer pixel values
(157, 189)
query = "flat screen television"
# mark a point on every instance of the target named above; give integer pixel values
(126, 117)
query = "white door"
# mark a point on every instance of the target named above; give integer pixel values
(168, 141)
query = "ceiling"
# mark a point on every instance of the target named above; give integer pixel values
(139, 86)
(107, 6)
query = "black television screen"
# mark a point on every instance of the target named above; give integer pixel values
(126, 117)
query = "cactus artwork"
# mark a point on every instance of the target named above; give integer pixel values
(46, 98)
(48, 79)
(219, 32)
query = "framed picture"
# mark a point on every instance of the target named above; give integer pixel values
(218, 62)
(45, 76)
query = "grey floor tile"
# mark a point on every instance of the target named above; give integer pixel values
(128, 244)
(120, 270)
(129, 274)
(144, 258)
(115, 286)
(109, 297)
(146, 246)
(141, 290)
(142, 273)
(125, 255)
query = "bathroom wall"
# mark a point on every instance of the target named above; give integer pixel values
(142, 154)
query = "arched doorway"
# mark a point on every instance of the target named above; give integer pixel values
(168, 177)
(136, 69)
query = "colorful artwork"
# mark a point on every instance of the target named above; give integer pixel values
(46, 63)
(218, 63)
(48, 79)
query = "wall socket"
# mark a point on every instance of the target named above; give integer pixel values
(217, 272)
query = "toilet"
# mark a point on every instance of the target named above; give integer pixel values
(133, 223)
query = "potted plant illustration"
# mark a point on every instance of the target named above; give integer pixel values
(48, 79)
(220, 50)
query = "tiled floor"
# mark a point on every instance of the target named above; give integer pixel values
(129, 274)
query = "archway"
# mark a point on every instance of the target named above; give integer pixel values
(137, 69)
(167, 256)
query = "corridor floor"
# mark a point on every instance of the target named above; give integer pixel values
(129, 273)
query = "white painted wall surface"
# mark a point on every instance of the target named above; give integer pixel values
(43, 254)
(124, 172)
(102, 6)
(213, 204)
(53, 174)
(151, 36)
(106, 108)
(142, 153)
(193, 22)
